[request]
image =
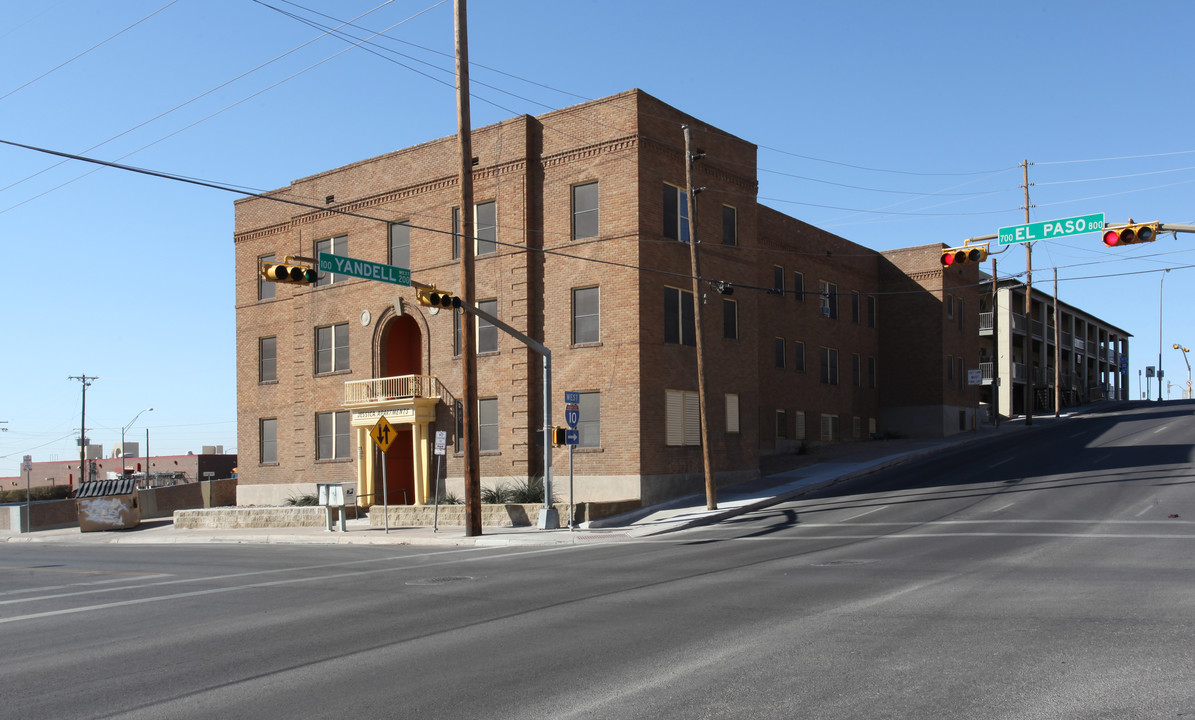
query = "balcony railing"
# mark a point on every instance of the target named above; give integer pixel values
(1018, 323)
(1080, 345)
(377, 390)
(986, 321)
(986, 368)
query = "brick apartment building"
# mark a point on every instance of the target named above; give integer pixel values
(582, 244)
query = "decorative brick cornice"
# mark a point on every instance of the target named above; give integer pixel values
(608, 147)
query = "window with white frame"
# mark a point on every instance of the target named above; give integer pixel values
(400, 244)
(332, 435)
(267, 359)
(799, 425)
(830, 430)
(682, 423)
(338, 245)
(589, 426)
(829, 366)
(585, 211)
(487, 332)
(331, 348)
(487, 424)
(586, 315)
(486, 215)
(265, 289)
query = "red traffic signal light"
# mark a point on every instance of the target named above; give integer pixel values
(964, 255)
(1131, 234)
(283, 273)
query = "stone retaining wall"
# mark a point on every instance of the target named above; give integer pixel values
(250, 517)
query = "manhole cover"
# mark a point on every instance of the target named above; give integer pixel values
(440, 580)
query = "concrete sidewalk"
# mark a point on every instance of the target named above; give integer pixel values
(681, 513)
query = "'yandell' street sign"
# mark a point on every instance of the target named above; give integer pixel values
(364, 269)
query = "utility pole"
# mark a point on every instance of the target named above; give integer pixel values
(472, 457)
(86, 380)
(995, 346)
(1057, 352)
(711, 492)
(1028, 306)
(1160, 284)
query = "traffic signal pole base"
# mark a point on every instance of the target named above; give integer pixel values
(549, 519)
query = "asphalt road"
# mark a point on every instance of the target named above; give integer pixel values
(1047, 574)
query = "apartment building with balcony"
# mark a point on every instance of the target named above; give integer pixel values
(582, 243)
(1075, 356)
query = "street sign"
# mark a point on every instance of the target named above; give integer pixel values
(1049, 229)
(571, 397)
(572, 437)
(27, 463)
(572, 413)
(1124, 364)
(974, 377)
(383, 433)
(364, 269)
(441, 441)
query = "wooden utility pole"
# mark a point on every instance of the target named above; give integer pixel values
(464, 131)
(1028, 306)
(996, 346)
(1057, 352)
(86, 380)
(711, 492)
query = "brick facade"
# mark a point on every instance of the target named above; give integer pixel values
(631, 145)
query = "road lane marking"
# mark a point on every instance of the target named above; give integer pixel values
(865, 512)
(1003, 507)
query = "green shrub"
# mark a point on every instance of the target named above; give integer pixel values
(448, 498)
(41, 492)
(500, 494)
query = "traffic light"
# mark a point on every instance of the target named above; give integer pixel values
(558, 436)
(283, 273)
(430, 297)
(1131, 234)
(964, 255)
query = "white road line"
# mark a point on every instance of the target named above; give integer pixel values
(865, 512)
(1003, 507)
(1146, 509)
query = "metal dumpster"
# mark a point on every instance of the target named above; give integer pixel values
(108, 505)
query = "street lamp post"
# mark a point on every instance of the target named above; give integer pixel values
(1176, 346)
(123, 465)
(1160, 282)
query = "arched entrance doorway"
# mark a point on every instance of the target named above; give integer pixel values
(401, 350)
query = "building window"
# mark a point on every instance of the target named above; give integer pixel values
(830, 300)
(331, 348)
(856, 308)
(268, 440)
(830, 430)
(871, 311)
(730, 225)
(949, 367)
(487, 332)
(332, 435)
(337, 246)
(400, 244)
(871, 372)
(265, 288)
(676, 214)
(829, 366)
(586, 315)
(960, 375)
(589, 427)
(730, 319)
(456, 233)
(949, 302)
(799, 286)
(799, 355)
(487, 424)
(799, 425)
(459, 410)
(682, 423)
(781, 424)
(732, 413)
(856, 370)
(679, 326)
(267, 359)
(779, 344)
(959, 312)
(778, 280)
(486, 217)
(585, 211)
(857, 427)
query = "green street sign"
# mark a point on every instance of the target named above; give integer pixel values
(364, 269)
(1052, 229)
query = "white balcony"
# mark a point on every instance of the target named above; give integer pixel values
(377, 391)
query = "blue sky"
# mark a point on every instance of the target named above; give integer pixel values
(889, 124)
